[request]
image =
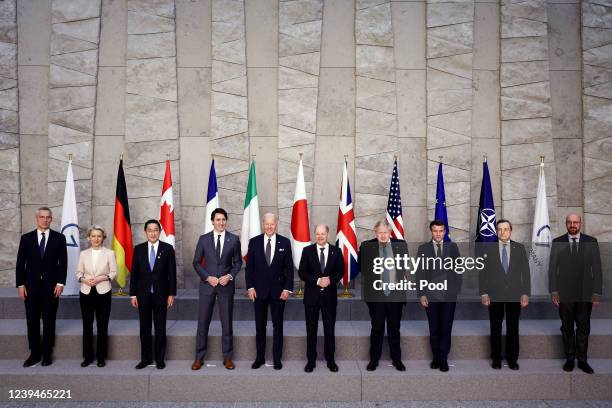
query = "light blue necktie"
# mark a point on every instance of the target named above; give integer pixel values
(386, 273)
(152, 263)
(504, 258)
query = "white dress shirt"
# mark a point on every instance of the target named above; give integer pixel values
(325, 252)
(216, 237)
(39, 233)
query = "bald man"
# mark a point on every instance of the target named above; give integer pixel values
(575, 285)
(269, 279)
(321, 268)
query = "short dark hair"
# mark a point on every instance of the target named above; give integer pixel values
(218, 211)
(437, 223)
(503, 220)
(152, 221)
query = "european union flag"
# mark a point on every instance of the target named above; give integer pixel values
(441, 203)
(486, 228)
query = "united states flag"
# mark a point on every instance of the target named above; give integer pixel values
(394, 206)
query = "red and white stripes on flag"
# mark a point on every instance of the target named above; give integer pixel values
(300, 230)
(166, 211)
(394, 206)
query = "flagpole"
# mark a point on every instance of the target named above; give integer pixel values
(346, 293)
(300, 292)
(120, 291)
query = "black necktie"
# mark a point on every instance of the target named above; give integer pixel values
(218, 249)
(41, 246)
(574, 247)
(439, 254)
(322, 261)
(269, 251)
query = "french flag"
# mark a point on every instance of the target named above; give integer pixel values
(212, 197)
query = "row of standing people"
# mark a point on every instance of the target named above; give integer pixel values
(41, 275)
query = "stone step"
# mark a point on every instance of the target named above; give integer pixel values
(186, 308)
(466, 380)
(540, 339)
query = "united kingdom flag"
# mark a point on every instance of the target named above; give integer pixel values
(346, 234)
(394, 206)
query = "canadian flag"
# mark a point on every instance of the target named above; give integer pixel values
(300, 230)
(166, 211)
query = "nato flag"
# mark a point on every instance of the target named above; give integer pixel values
(486, 229)
(441, 203)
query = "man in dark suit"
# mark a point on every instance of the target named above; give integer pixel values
(575, 285)
(505, 287)
(439, 304)
(269, 279)
(217, 261)
(40, 276)
(383, 306)
(321, 268)
(153, 288)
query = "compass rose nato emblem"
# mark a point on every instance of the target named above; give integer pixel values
(487, 223)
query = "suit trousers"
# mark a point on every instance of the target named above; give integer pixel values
(152, 308)
(512, 310)
(575, 340)
(98, 306)
(328, 313)
(206, 305)
(39, 303)
(277, 308)
(391, 312)
(440, 316)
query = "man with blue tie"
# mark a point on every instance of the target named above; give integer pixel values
(153, 288)
(269, 279)
(217, 261)
(505, 286)
(40, 277)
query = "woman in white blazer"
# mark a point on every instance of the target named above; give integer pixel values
(95, 271)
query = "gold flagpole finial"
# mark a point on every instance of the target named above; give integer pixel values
(484, 157)
(301, 155)
(253, 157)
(440, 158)
(69, 156)
(121, 156)
(542, 160)
(346, 157)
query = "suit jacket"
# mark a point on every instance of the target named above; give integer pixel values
(502, 286)
(106, 265)
(163, 276)
(33, 271)
(206, 264)
(368, 276)
(310, 272)
(269, 280)
(575, 278)
(439, 275)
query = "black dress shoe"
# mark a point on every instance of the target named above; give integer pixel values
(435, 364)
(160, 365)
(372, 365)
(584, 366)
(443, 366)
(278, 365)
(310, 366)
(31, 361)
(101, 363)
(258, 363)
(568, 366)
(513, 365)
(399, 366)
(333, 367)
(143, 364)
(47, 361)
(86, 362)
(496, 364)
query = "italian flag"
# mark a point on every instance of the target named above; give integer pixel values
(251, 226)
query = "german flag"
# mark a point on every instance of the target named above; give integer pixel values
(122, 234)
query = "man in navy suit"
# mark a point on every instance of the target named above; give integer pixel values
(217, 261)
(40, 275)
(153, 288)
(505, 286)
(269, 279)
(321, 268)
(439, 304)
(575, 282)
